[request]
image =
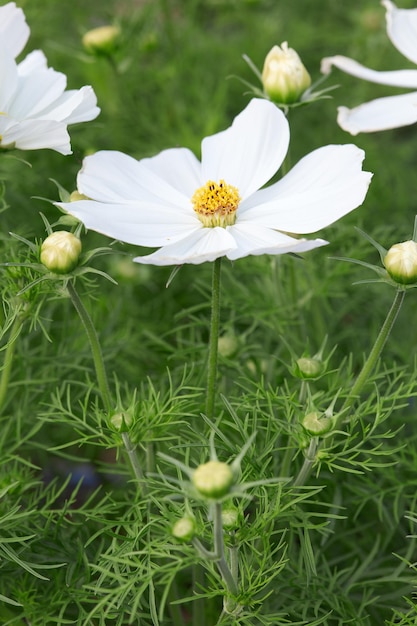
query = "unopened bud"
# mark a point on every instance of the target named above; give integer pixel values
(121, 421)
(228, 345)
(76, 195)
(213, 479)
(309, 367)
(60, 252)
(102, 40)
(184, 529)
(231, 518)
(317, 423)
(401, 262)
(284, 76)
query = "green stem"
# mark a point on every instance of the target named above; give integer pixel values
(95, 346)
(221, 562)
(361, 381)
(377, 349)
(133, 458)
(8, 358)
(214, 339)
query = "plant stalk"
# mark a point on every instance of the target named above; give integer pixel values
(214, 340)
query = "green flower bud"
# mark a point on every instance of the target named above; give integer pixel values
(231, 518)
(228, 346)
(121, 421)
(60, 252)
(76, 195)
(102, 40)
(317, 424)
(309, 367)
(284, 77)
(213, 479)
(401, 262)
(184, 529)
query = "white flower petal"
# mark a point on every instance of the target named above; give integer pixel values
(8, 79)
(320, 189)
(380, 114)
(14, 32)
(248, 153)
(143, 225)
(397, 78)
(36, 91)
(179, 167)
(37, 134)
(74, 106)
(402, 29)
(204, 245)
(111, 176)
(33, 62)
(253, 239)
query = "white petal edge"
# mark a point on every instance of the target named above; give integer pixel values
(38, 134)
(252, 239)
(324, 186)
(250, 151)
(381, 114)
(402, 29)
(205, 245)
(142, 225)
(14, 31)
(398, 78)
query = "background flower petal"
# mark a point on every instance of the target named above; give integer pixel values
(380, 114)
(14, 32)
(396, 78)
(250, 151)
(252, 239)
(402, 29)
(35, 134)
(204, 245)
(320, 189)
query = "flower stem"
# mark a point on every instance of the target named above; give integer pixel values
(8, 357)
(133, 458)
(228, 578)
(214, 339)
(361, 380)
(377, 348)
(95, 346)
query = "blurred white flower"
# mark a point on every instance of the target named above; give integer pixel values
(197, 212)
(391, 111)
(35, 108)
(14, 32)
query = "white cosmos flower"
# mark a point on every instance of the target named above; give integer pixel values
(35, 108)
(392, 111)
(14, 32)
(196, 212)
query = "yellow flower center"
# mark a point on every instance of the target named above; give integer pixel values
(216, 204)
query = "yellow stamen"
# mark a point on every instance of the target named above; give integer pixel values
(216, 204)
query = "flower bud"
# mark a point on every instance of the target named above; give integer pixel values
(284, 77)
(121, 421)
(60, 252)
(213, 479)
(317, 424)
(309, 367)
(102, 40)
(184, 529)
(76, 195)
(401, 262)
(231, 518)
(228, 345)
